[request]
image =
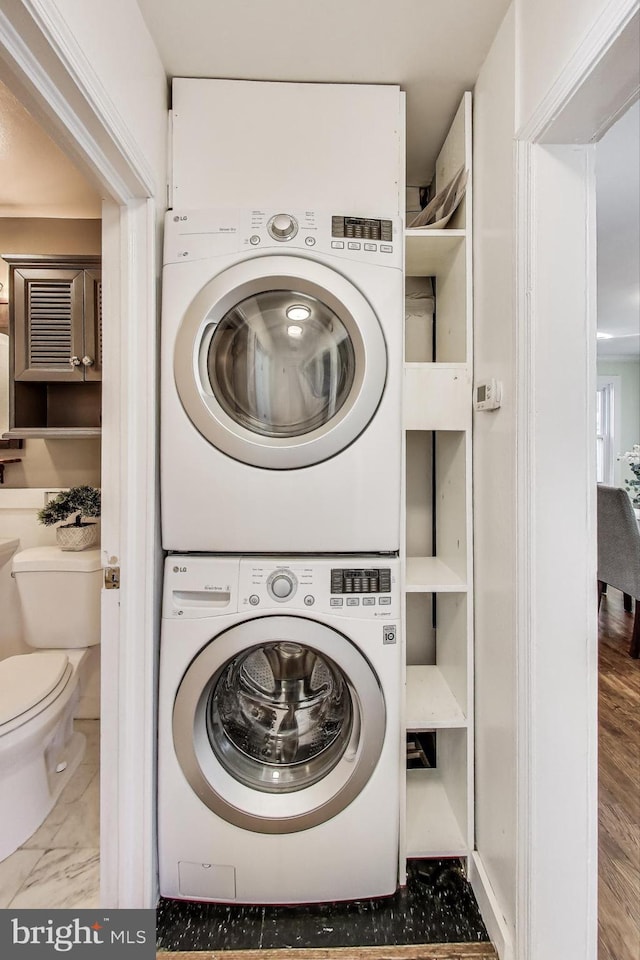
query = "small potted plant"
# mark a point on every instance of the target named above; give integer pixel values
(632, 483)
(84, 502)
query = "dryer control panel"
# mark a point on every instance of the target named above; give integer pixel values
(361, 228)
(200, 234)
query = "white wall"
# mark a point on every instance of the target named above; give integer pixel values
(114, 38)
(629, 373)
(548, 33)
(494, 471)
(545, 859)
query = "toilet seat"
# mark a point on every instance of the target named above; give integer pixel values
(29, 683)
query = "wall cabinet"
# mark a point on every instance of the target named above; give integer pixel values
(437, 543)
(55, 329)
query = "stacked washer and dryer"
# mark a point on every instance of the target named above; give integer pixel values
(280, 743)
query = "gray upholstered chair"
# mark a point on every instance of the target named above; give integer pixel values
(619, 552)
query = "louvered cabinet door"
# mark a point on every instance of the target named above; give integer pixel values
(48, 324)
(92, 356)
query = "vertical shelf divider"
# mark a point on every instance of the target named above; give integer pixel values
(437, 568)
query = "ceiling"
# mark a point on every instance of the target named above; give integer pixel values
(37, 178)
(618, 219)
(433, 50)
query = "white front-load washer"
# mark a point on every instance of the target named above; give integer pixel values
(279, 738)
(281, 382)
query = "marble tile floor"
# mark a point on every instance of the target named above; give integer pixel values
(436, 906)
(59, 866)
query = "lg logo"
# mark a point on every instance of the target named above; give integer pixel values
(179, 569)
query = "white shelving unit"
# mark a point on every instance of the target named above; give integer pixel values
(437, 547)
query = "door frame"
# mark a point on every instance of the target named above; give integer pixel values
(557, 636)
(41, 63)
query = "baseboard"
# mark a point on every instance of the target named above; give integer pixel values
(489, 908)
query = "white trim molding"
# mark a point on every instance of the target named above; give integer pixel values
(556, 487)
(494, 921)
(53, 78)
(565, 115)
(43, 65)
(557, 643)
(130, 539)
(525, 527)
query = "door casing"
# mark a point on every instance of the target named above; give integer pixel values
(40, 64)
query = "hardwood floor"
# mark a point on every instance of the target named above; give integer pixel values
(619, 785)
(440, 951)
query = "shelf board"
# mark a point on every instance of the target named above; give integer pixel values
(430, 703)
(437, 396)
(454, 367)
(52, 433)
(432, 829)
(428, 252)
(432, 575)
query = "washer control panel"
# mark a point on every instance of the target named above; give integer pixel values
(361, 587)
(364, 590)
(198, 586)
(361, 580)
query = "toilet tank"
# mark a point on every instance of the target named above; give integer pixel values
(59, 593)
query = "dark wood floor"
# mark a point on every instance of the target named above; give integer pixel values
(619, 785)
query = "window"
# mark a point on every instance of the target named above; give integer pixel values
(605, 429)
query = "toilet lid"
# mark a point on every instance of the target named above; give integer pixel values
(53, 558)
(27, 679)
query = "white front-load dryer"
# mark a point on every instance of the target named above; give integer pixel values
(281, 382)
(279, 738)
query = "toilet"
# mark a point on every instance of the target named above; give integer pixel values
(59, 594)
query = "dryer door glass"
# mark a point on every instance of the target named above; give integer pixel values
(280, 717)
(281, 363)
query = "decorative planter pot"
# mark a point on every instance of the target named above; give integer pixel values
(74, 536)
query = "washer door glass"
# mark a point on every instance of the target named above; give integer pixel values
(278, 723)
(281, 363)
(280, 717)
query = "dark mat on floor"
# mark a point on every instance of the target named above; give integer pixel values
(436, 906)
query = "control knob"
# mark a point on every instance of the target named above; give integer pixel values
(282, 227)
(282, 584)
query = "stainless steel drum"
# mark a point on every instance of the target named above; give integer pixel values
(280, 717)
